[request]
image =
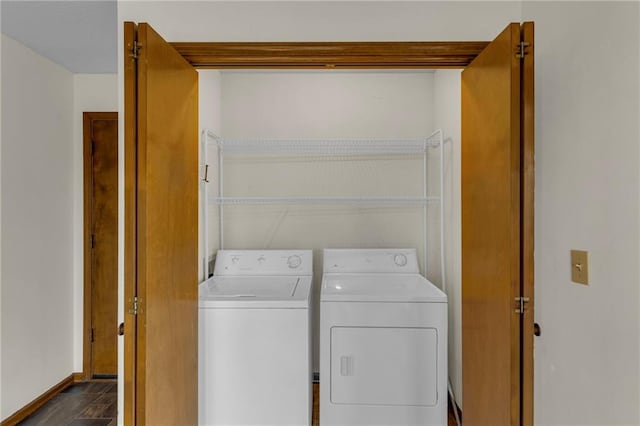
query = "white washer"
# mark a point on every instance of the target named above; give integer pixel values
(254, 339)
(383, 341)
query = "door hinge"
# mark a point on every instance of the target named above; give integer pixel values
(521, 51)
(135, 50)
(135, 306)
(93, 241)
(91, 337)
(521, 304)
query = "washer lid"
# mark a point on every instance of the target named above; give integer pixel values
(379, 288)
(255, 292)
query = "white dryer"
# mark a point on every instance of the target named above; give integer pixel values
(383, 341)
(254, 339)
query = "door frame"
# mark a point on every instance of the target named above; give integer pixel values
(87, 153)
(323, 55)
(329, 55)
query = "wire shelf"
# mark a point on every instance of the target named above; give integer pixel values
(329, 147)
(326, 200)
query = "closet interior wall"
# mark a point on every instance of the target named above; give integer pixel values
(324, 105)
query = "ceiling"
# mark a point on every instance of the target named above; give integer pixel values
(79, 35)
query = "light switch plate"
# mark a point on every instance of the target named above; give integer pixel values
(580, 267)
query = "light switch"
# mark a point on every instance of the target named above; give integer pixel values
(580, 267)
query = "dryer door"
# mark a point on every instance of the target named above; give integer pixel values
(384, 366)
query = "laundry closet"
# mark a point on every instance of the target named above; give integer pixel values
(329, 159)
(376, 154)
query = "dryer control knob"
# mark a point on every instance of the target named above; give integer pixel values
(294, 261)
(400, 259)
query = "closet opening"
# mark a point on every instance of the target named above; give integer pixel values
(236, 112)
(316, 159)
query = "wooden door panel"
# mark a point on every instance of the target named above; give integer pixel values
(104, 255)
(130, 224)
(491, 233)
(167, 234)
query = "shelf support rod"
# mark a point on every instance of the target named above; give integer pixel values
(424, 210)
(443, 272)
(205, 209)
(221, 196)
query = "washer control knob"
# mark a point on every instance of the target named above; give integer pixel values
(400, 259)
(261, 260)
(235, 259)
(294, 261)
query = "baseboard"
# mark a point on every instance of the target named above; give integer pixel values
(79, 377)
(31, 407)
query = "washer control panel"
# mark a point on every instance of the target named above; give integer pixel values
(264, 262)
(370, 261)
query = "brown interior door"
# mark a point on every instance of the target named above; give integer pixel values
(103, 334)
(161, 222)
(491, 233)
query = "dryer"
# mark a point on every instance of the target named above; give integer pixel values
(254, 339)
(383, 340)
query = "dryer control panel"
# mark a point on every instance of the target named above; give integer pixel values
(398, 261)
(264, 262)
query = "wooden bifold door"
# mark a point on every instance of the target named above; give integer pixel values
(161, 232)
(497, 231)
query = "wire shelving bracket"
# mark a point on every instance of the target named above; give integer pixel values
(336, 148)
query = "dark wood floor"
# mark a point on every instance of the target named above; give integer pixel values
(95, 404)
(82, 404)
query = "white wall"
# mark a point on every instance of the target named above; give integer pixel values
(447, 107)
(326, 104)
(587, 181)
(210, 94)
(322, 20)
(37, 221)
(91, 93)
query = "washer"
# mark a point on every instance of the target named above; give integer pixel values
(383, 341)
(254, 339)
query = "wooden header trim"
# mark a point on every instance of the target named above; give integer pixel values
(348, 55)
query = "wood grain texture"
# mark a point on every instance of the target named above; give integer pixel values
(34, 405)
(491, 233)
(101, 204)
(87, 403)
(315, 413)
(300, 55)
(528, 210)
(167, 235)
(130, 206)
(78, 377)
